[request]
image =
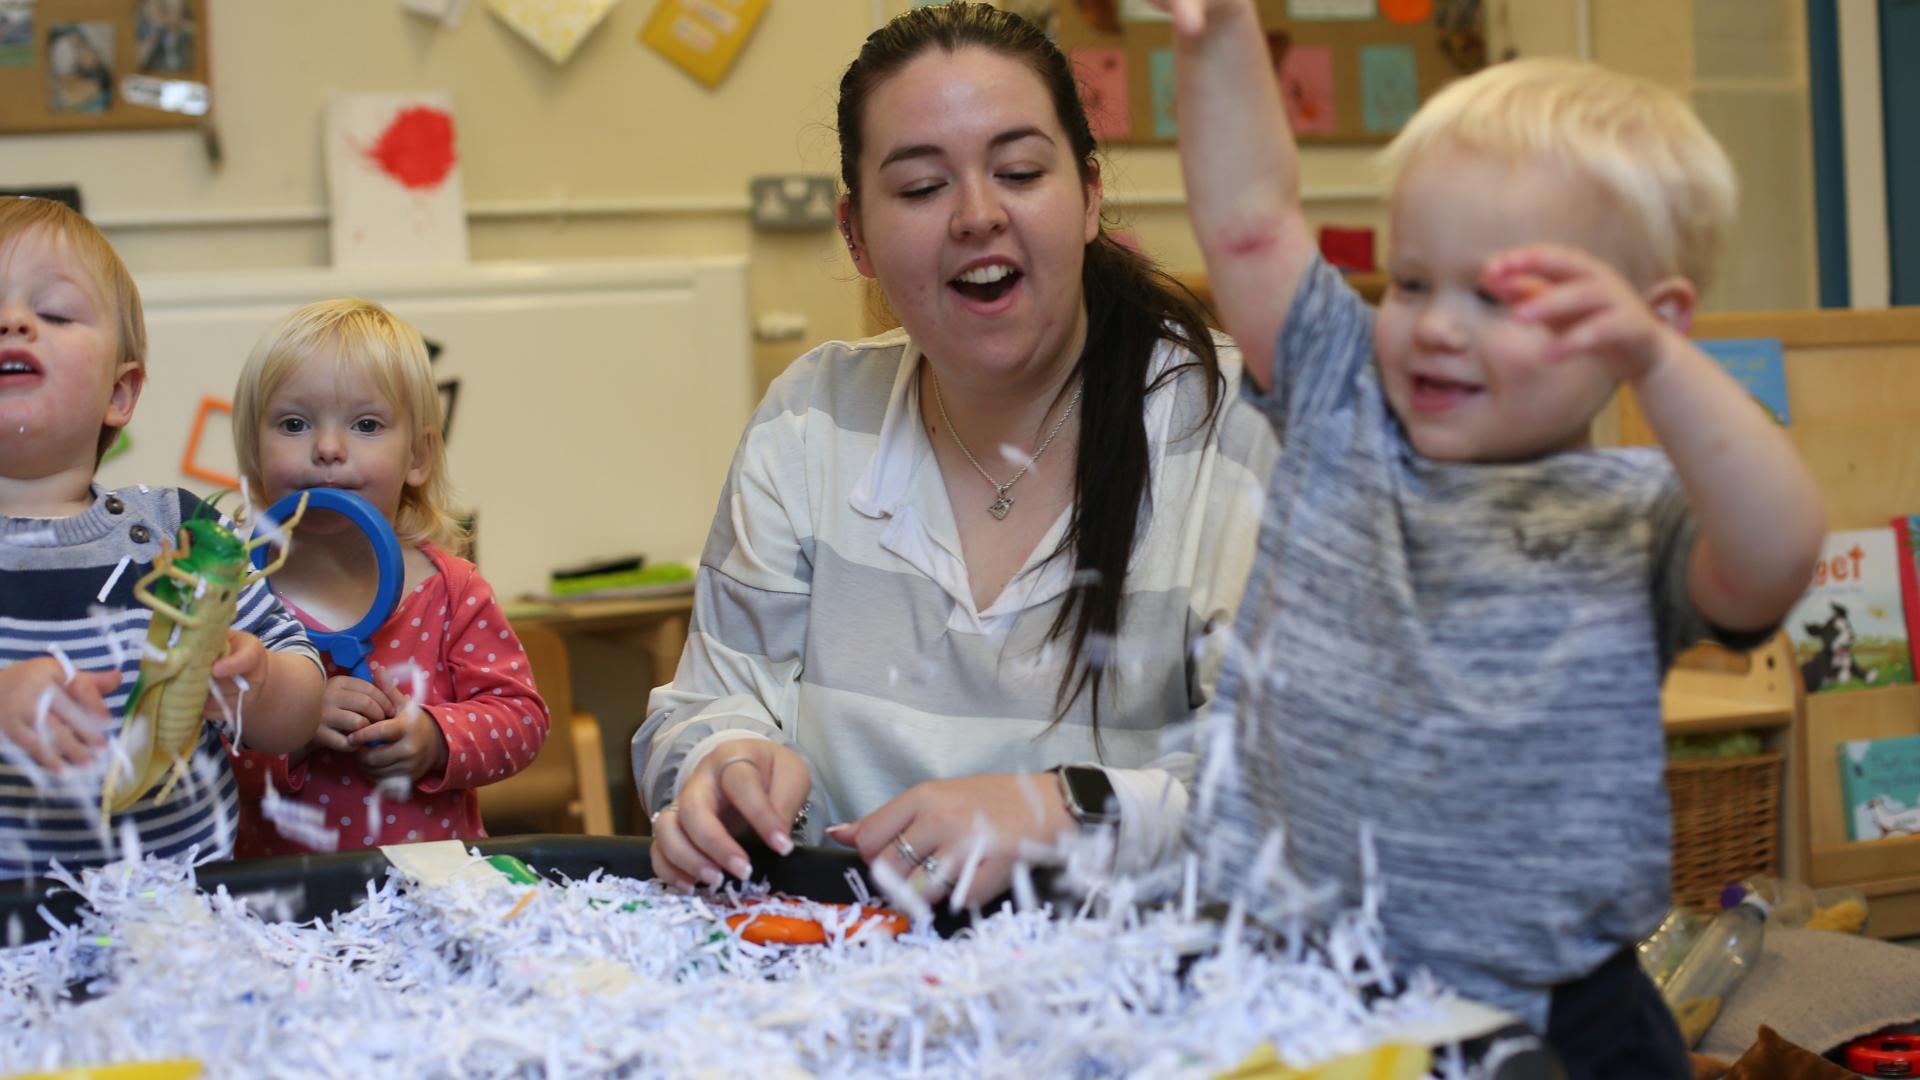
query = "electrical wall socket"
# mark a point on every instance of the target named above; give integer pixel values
(793, 202)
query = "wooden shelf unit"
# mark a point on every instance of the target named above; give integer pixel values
(1853, 391)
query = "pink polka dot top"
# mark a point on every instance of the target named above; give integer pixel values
(479, 691)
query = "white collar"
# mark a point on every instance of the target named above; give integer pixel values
(897, 452)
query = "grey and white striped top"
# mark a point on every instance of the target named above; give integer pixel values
(833, 611)
(66, 586)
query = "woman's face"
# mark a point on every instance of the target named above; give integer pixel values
(972, 215)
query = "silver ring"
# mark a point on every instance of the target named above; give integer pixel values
(672, 807)
(734, 760)
(930, 866)
(906, 851)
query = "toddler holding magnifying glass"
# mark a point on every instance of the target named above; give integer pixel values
(339, 395)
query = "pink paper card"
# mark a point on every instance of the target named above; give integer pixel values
(1102, 74)
(1306, 85)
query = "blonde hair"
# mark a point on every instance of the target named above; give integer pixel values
(372, 341)
(1637, 141)
(112, 285)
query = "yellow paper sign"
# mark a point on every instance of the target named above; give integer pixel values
(555, 27)
(702, 36)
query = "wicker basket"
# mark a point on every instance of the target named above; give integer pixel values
(1726, 824)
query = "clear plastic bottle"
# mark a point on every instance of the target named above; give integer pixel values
(1663, 950)
(1789, 903)
(1720, 958)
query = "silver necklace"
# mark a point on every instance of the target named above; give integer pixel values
(1003, 502)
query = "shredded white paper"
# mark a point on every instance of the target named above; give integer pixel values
(612, 975)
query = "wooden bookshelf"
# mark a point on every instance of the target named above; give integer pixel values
(1853, 392)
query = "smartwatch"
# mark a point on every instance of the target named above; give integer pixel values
(1088, 794)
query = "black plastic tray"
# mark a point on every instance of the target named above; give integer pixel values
(336, 882)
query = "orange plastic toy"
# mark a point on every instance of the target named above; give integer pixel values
(764, 929)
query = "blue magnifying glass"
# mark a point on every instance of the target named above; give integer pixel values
(349, 648)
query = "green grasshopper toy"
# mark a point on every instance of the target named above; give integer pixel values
(193, 590)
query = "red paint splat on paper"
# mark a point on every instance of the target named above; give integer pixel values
(416, 149)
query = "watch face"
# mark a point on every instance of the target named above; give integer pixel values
(1090, 794)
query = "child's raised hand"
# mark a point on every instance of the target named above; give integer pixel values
(411, 745)
(61, 734)
(1586, 306)
(347, 705)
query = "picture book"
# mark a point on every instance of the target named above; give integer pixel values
(1906, 542)
(1880, 785)
(1850, 630)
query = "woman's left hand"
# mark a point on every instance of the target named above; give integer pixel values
(928, 833)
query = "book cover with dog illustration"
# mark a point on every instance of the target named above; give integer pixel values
(1880, 783)
(1850, 630)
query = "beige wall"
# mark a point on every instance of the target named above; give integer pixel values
(1750, 87)
(620, 154)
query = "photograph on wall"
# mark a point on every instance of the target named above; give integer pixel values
(165, 36)
(16, 33)
(79, 67)
(103, 65)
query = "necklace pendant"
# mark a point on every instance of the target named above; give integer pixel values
(1001, 505)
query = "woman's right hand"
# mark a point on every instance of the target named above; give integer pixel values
(347, 705)
(742, 785)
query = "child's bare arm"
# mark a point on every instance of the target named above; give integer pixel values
(1760, 513)
(1242, 172)
(1760, 516)
(281, 706)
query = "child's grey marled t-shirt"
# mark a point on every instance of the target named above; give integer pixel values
(1469, 658)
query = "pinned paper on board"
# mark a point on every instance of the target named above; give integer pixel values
(165, 36)
(1305, 74)
(1142, 11)
(1102, 75)
(16, 33)
(1389, 87)
(555, 27)
(1166, 125)
(80, 67)
(393, 179)
(1331, 10)
(445, 12)
(1350, 71)
(702, 37)
(183, 96)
